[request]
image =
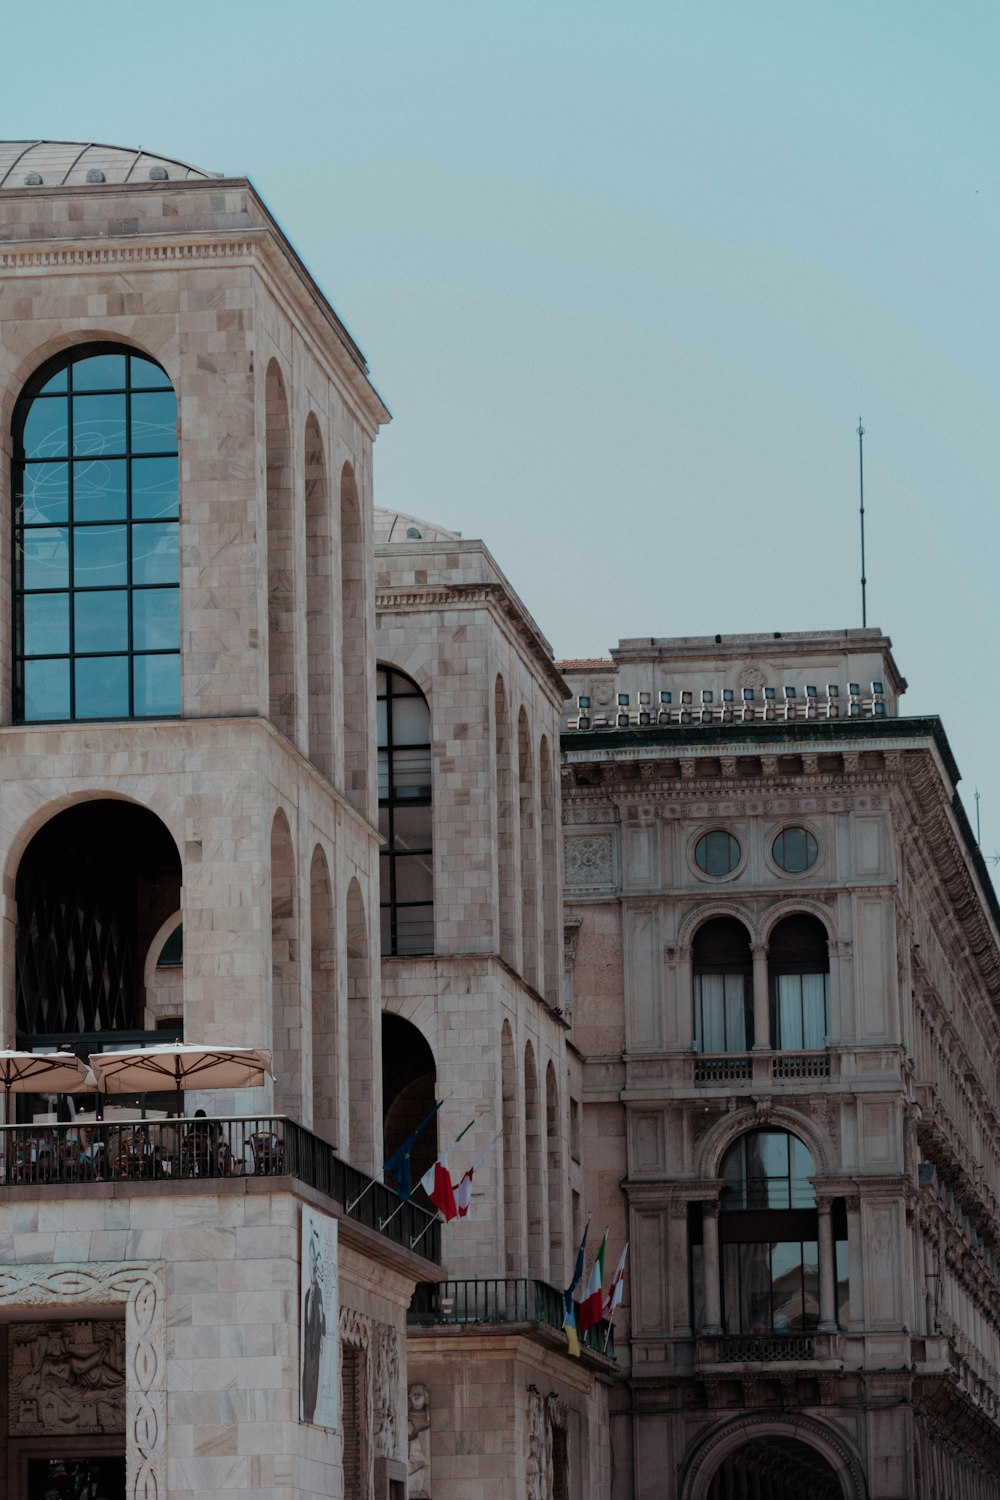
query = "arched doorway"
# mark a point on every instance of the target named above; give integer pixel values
(409, 1078)
(775, 1468)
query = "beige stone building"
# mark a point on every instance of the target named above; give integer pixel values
(785, 991)
(694, 940)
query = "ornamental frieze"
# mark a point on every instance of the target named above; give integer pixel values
(589, 861)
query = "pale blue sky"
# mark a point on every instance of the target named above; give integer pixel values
(626, 275)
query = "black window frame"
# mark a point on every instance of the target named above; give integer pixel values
(390, 802)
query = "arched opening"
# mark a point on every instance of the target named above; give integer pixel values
(534, 1169)
(96, 546)
(354, 636)
(556, 1174)
(798, 967)
(505, 826)
(551, 978)
(774, 1467)
(94, 888)
(406, 860)
(529, 853)
(280, 556)
(409, 1081)
(511, 1196)
(722, 967)
(360, 1059)
(325, 1011)
(286, 1008)
(319, 602)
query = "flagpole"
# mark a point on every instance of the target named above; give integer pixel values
(437, 1219)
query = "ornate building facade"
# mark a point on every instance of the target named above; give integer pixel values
(694, 939)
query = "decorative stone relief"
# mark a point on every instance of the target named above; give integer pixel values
(419, 1441)
(589, 860)
(138, 1287)
(66, 1378)
(386, 1387)
(537, 1461)
(753, 677)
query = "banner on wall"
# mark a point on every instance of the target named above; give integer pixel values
(319, 1313)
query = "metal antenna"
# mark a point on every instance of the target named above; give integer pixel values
(861, 479)
(977, 817)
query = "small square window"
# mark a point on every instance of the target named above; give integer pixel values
(644, 716)
(789, 692)
(706, 695)
(748, 695)
(643, 697)
(810, 691)
(854, 688)
(685, 697)
(855, 708)
(879, 710)
(877, 687)
(769, 693)
(623, 700)
(583, 701)
(666, 698)
(727, 695)
(832, 690)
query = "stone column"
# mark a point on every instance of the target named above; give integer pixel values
(710, 1258)
(827, 1269)
(761, 999)
(683, 981)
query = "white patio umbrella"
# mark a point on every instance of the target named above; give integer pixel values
(41, 1073)
(180, 1065)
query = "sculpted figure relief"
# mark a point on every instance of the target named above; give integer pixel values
(419, 1444)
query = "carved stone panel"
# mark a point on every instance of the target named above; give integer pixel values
(419, 1441)
(589, 861)
(66, 1378)
(386, 1390)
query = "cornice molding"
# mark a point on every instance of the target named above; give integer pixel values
(129, 250)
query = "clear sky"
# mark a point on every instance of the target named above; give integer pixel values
(627, 274)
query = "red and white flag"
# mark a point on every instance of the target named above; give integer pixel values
(591, 1307)
(437, 1184)
(614, 1296)
(463, 1189)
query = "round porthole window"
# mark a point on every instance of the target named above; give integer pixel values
(717, 853)
(795, 850)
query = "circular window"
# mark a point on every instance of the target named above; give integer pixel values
(717, 853)
(795, 850)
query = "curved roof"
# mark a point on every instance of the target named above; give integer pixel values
(72, 163)
(393, 526)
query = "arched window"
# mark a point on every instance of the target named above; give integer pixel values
(723, 991)
(768, 1236)
(404, 813)
(799, 970)
(96, 554)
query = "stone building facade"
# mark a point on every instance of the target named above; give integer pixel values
(694, 939)
(785, 986)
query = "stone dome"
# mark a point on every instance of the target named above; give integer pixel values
(392, 526)
(76, 163)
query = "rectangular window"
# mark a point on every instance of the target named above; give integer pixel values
(801, 1018)
(722, 1019)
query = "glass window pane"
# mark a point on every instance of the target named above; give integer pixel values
(383, 774)
(99, 372)
(46, 624)
(58, 382)
(154, 488)
(102, 687)
(156, 622)
(755, 1269)
(736, 1013)
(411, 721)
(46, 428)
(46, 558)
(385, 930)
(412, 828)
(384, 876)
(99, 490)
(99, 556)
(101, 621)
(154, 423)
(45, 488)
(710, 1011)
(46, 690)
(99, 424)
(155, 554)
(382, 722)
(157, 686)
(411, 773)
(815, 1025)
(380, 678)
(414, 878)
(717, 853)
(789, 1011)
(144, 372)
(414, 929)
(383, 822)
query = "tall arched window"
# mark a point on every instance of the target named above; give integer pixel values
(406, 865)
(96, 554)
(723, 989)
(799, 969)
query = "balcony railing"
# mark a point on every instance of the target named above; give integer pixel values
(511, 1299)
(199, 1149)
(764, 1348)
(728, 1068)
(801, 1065)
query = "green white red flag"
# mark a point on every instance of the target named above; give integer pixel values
(437, 1183)
(463, 1188)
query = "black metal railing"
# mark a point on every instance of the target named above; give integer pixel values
(510, 1299)
(198, 1148)
(765, 1348)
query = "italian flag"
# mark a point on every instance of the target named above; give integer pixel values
(463, 1189)
(615, 1289)
(592, 1305)
(437, 1183)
